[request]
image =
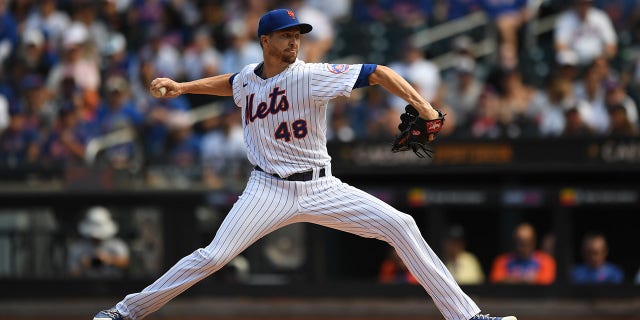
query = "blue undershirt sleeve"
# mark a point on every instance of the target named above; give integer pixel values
(233, 76)
(363, 78)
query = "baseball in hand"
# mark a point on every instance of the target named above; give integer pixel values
(163, 91)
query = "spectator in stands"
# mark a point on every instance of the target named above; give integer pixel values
(549, 108)
(164, 53)
(587, 31)
(223, 149)
(118, 105)
(591, 88)
(485, 122)
(77, 60)
(201, 59)
(380, 119)
(39, 111)
(370, 11)
(51, 20)
(317, 43)
(463, 265)
(84, 12)
(525, 264)
(115, 113)
(19, 143)
(336, 10)
(116, 59)
(411, 13)
(340, 124)
(509, 17)
(620, 124)
(66, 144)
(99, 253)
(182, 145)
(595, 267)
(243, 48)
(516, 96)
(114, 14)
(616, 96)
(394, 271)
(422, 73)
(8, 33)
(575, 126)
(463, 90)
(369, 115)
(453, 9)
(566, 65)
(32, 56)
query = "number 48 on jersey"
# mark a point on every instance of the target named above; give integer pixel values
(298, 130)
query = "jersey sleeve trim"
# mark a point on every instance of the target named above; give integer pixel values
(233, 76)
(363, 78)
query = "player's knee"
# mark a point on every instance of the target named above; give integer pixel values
(211, 257)
(407, 221)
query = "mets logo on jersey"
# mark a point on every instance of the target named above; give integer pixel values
(338, 68)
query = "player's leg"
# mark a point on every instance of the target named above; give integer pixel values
(265, 205)
(336, 205)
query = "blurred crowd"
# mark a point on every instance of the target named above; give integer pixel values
(530, 261)
(75, 71)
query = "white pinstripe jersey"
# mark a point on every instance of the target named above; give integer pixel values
(284, 117)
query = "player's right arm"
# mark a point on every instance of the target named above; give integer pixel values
(217, 85)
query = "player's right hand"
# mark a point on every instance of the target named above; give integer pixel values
(172, 88)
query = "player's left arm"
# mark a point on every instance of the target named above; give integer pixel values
(397, 85)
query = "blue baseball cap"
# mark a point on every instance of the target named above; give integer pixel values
(279, 19)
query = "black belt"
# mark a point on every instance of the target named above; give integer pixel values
(298, 176)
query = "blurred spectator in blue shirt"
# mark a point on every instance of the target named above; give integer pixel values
(118, 112)
(19, 143)
(183, 145)
(116, 59)
(455, 9)
(224, 155)
(371, 10)
(156, 112)
(66, 144)
(508, 16)
(8, 32)
(595, 267)
(32, 56)
(117, 105)
(39, 111)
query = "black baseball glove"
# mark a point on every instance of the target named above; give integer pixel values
(416, 133)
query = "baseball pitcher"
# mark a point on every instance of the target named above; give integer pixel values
(284, 107)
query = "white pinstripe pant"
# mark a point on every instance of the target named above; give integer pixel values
(269, 203)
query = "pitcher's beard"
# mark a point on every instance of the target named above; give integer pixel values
(289, 58)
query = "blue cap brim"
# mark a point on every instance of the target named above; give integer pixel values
(304, 27)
